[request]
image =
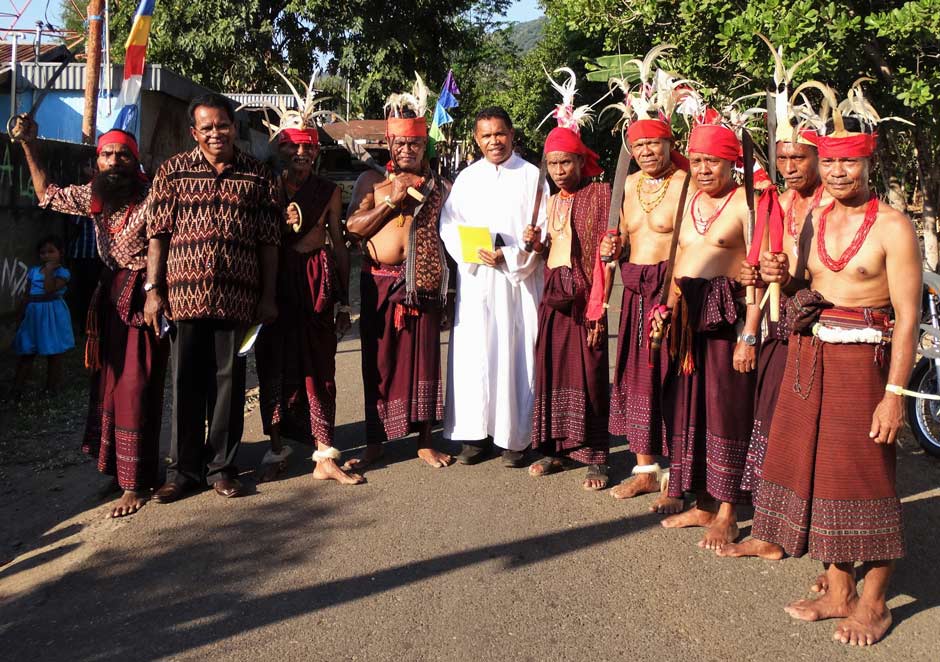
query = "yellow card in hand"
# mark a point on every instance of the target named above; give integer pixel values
(473, 238)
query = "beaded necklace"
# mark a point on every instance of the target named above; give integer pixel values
(659, 194)
(120, 226)
(561, 210)
(791, 210)
(871, 215)
(702, 226)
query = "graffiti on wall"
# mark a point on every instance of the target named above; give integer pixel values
(12, 278)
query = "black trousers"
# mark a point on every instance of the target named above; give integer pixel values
(208, 386)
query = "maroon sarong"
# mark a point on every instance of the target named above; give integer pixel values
(296, 355)
(569, 415)
(636, 396)
(771, 363)
(827, 489)
(710, 410)
(126, 402)
(401, 356)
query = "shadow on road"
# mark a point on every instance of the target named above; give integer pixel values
(194, 591)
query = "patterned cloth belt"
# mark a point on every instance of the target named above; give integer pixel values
(380, 269)
(854, 325)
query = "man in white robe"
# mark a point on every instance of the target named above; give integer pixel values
(491, 363)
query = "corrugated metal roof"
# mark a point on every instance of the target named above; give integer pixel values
(27, 52)
(288, 101)
(156, 79)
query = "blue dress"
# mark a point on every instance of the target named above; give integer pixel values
(47, 326)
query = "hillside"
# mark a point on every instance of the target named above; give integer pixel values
(523, 36)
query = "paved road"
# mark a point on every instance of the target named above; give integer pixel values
(465, 563)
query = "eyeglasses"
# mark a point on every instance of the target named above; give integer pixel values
(206, 131)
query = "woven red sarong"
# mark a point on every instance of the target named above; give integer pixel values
(710, 411)
(636, 395)
(827, 489)
(569, 415)
(296, 354)
(401, 356)
(126, 401)
(771, 363)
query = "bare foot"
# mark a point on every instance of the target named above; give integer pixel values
(866, 626)
(372, 454)
(129, 503)
(327, 469)
(752, 547)
(694, 517)
(435, 458)
(828, 606)
(667, 505)
(635, 486)
(719, 533)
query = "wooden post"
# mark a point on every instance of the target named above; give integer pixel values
(92, 66)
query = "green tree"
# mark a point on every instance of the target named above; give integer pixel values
(234, 45)
(898, 43)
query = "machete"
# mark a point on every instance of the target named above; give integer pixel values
(747, 145)
(41, 96)
(361, 153)
(616, 197)
(539, 192)
(656, 338)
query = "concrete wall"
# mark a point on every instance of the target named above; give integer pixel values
(22, 224)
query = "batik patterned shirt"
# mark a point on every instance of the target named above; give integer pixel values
(121, 234)
(216, 223)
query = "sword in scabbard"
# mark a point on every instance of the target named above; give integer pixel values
(656, 338)
(539, 193)
(747, 146)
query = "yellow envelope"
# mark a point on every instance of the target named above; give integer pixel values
(473, 238)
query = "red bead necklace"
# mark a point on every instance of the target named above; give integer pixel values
(791, 210)
(120, 227)
(702, 226)
(871, 214)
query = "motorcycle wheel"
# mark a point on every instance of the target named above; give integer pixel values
(924, 415)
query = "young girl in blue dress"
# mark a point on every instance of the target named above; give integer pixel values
(45, 327)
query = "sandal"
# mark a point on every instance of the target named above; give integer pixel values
(273, 464)
(598, 472)
(546, 466)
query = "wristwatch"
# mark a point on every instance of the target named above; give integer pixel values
(150, 286)
(748, 339)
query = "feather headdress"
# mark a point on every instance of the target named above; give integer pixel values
(304, 117)
(416, 100)
(792, 118)
(565, 113)
(652, 93)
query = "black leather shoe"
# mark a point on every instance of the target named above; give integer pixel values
(472, 454)
(228, 487)
(513, 459)
(169, 493)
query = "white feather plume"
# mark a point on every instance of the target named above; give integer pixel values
(416, 100)
(565, 113)
(304, 117)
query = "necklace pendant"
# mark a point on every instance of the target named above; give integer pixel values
(796, 251)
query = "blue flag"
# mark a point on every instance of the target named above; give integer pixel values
(447, 99)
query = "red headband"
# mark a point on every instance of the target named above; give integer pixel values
(299, 136)
(115, 136)
(656, 129)
(406, 127)
(859, 145)
(715, 140)
(561, 139)
(641, 129)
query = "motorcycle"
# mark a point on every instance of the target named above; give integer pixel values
(923, 414)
